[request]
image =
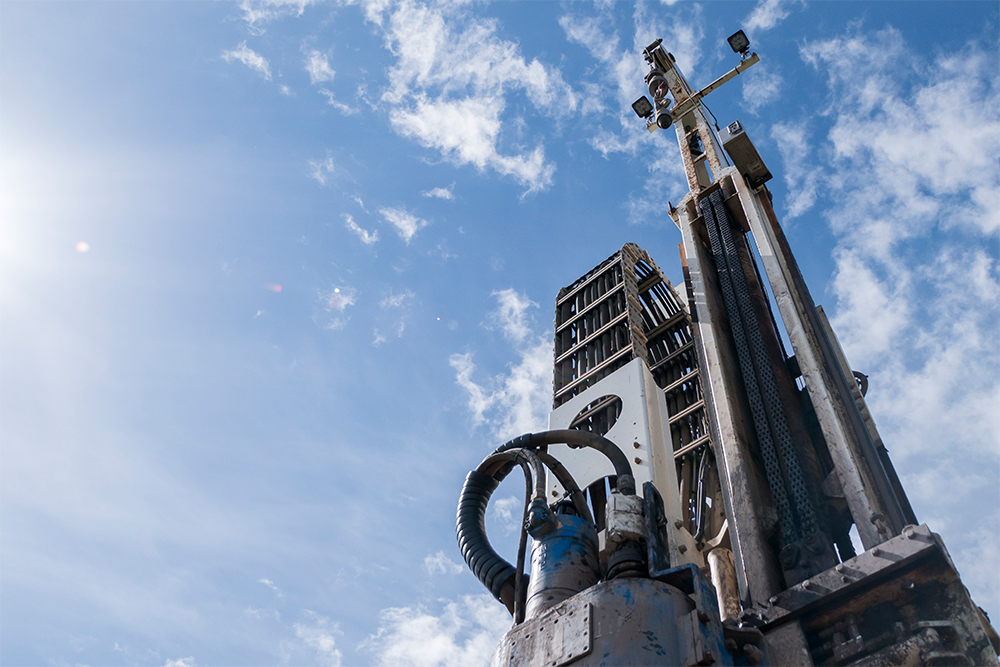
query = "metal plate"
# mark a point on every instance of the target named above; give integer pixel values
(557, 637)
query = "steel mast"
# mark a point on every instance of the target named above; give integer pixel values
(693, 501)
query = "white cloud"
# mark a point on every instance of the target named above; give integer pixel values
(446, 48)
(407, 225)
(508, 512)
(439, 563)
(258, 12)
(910, 184)
(767, 14)
(761, 86)
(318, 635)
(397, 311)
(345, 109)
(250, 58)
(396, 300)
(368, 238)
(270, 584)
(180, 662)
(608, 116)
(320, 169)
(801, 174)
(333, 303)
(465, 131)
(441, 193)
(515, 402)
(510, 314)
(318, 67)
(451, 83)
(465, 633)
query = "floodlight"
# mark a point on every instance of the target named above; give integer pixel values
(739, 42)
(642, 107)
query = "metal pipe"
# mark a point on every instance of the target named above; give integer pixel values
(720, 564)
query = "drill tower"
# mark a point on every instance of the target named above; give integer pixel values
(694, 500)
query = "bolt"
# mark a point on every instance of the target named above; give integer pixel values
(807, 584)
(773, 599)
(555, 493)
(678, 524)
(638, 460)
(840, 567)
(682, 548)
(844, 579)
(876, 552)
(636, 445)
(908, 533)
(702, 616)
(908, 585)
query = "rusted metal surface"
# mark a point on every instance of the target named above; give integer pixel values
(720, 564)
(900, 603)
(629, 622)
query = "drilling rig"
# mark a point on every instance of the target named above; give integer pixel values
(694, 499)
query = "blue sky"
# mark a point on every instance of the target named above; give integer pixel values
(276, 275)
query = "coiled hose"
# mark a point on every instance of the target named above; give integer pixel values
(495, 573)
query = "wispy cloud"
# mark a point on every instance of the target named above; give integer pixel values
(318, 67)
(345, 109)
(912, 184)
(258, 12)
(507, 511)
(333, 303)
(368, 238)
(768, 13)
(440, 564)
(396, 307)
(319, 634)
(510, 315)
(180, 662)
(761, 86)
(464, 633)
(407, 225)
(517, 401)
(801, 173)
(320, 169)
(250, 58)
(608, 117)
(396, 300)
(441, 193)
(270, 584)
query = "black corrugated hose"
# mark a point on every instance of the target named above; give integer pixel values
(489, 567)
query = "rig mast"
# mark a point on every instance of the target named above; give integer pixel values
(693, 501)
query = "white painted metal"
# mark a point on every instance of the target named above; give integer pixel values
(642, 433)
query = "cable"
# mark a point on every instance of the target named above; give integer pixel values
(574, 438)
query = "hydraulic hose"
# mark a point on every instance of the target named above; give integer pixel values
(575, 438)
(489, 567)
(558, 469)
(699, 521)
(526, 450)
